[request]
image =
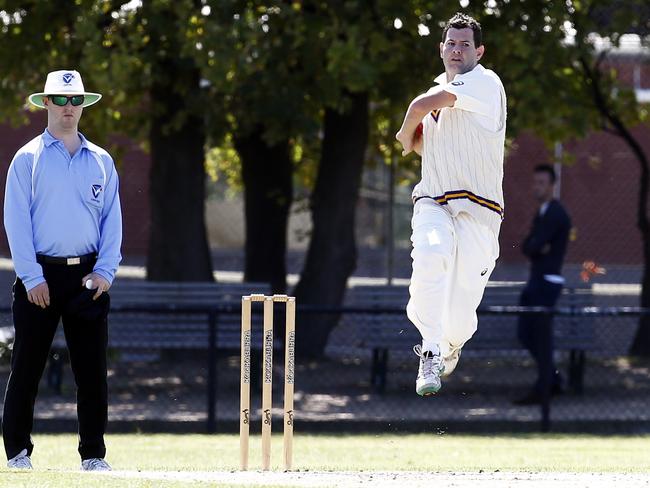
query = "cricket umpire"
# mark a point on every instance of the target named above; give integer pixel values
(63, 222)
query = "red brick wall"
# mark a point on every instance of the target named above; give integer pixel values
(134, 193)
(133, 169)
(599, 190)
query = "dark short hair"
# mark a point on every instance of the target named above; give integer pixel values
(546, 168)
(464, 21)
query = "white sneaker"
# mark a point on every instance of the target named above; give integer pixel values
(20, 461)
(95, 464)
(431, 367)
(450, 362)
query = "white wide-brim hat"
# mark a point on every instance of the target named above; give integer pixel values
(64, 82)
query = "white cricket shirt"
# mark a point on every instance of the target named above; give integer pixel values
(463, 148)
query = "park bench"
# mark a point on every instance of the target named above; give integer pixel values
(160, 330)
(149, 318)
(386, 334)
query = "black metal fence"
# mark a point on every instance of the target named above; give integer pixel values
(185, 375)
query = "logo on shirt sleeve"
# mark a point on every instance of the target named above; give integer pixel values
(435, 114)
(97, 189)
(457, 83)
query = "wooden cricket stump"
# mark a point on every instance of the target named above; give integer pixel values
(267, 377)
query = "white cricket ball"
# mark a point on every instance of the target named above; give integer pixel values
(89, 284)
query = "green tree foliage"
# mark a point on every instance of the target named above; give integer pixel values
(140, 58)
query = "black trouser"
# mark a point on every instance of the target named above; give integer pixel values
(536, 330)
(87, 343)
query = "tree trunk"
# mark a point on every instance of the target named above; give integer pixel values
(332, 254)
(268, 192)
(178, 244)
(641, 344)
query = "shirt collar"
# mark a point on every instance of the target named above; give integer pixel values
(49, 139)
(544, 207)
(441, 79)
(84, 141)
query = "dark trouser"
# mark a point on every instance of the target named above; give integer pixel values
(87, 343)
(536, 330)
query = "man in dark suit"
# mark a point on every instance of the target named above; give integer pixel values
(545, 246)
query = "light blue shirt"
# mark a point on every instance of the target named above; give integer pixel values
(61, 205)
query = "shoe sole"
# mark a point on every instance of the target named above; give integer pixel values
(428, 391)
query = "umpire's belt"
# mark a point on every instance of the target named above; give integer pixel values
(71, 261)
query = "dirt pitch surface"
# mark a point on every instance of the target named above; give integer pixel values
(395, 479)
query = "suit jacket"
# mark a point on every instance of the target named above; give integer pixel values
(547, 241)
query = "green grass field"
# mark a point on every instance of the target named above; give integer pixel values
(56, 462)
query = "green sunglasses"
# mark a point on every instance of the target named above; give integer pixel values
(62, 100)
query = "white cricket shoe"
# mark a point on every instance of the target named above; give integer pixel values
(450, 362)
(20, 461)
(95, 464)
(431, 367)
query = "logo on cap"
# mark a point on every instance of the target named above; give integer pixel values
(67, 78)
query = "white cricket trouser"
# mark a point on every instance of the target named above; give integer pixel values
(453, 258)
